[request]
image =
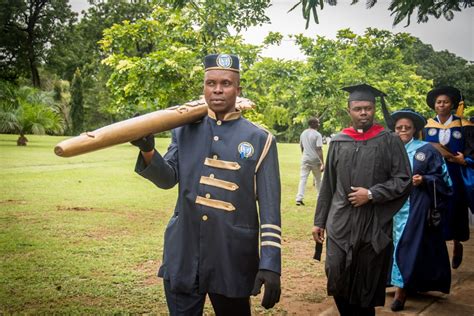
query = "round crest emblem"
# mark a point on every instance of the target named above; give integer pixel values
(457, 134)
(245, 150)
(420, 156)
(432, 131)
(224, 61)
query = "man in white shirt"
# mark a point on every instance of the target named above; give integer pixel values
(311, 143)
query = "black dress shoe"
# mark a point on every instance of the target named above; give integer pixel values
(397, 305)
(298, 203)
(457, 259)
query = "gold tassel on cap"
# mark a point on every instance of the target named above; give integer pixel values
(460, 109)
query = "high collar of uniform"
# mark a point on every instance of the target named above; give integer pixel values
(373, 131)
(228, 117)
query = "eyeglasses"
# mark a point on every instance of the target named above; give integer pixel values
(403, 128)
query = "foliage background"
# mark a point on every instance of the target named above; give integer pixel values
(144, 56)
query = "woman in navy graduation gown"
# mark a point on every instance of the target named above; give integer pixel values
(447, 129)
(420, 258)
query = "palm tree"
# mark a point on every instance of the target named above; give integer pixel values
(29, 112)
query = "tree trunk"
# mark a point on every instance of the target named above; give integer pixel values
(35, 7)
(35, 78)
(22, 140)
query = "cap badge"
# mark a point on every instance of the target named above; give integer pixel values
(245, 150)
(224, 61)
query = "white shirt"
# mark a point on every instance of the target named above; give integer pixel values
(445, 134)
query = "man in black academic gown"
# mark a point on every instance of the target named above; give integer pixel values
(366, 180)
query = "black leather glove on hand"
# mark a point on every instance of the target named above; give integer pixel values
(145, 144)
(272, 287)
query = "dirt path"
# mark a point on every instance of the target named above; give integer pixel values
(303, 282)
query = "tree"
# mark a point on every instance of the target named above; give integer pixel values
(157, 62)
(287, 93)
(27, 111)
(29, 27)
(273, 85)
(444, 68)
(77, 103)
(79, 46)
(400, 8)
(62, 98)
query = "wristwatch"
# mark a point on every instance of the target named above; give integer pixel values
(369, 195)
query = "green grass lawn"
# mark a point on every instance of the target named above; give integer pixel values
(85, 234)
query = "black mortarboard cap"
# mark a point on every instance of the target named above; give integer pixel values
(363, 92)
(453, 93)
(222, 62)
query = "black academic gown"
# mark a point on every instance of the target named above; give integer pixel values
(359, 238)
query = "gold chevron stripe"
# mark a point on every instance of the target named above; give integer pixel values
(271, 235)
(222, 164)
(271, 243)
(219, 183)
(226, 206)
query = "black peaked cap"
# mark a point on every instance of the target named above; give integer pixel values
(222, 62)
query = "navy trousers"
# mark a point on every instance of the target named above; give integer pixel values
(192, 304)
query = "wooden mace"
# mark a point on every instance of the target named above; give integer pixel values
(138, 127)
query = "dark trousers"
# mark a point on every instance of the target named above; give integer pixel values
(192, 304)
(346, 309)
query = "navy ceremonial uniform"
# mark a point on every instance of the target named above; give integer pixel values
(223, 168)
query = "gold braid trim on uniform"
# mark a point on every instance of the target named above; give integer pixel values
(266, 148)
(275, 227)
(271, 243)
(222, 164)
(226, 206)
(231, 186)
(433, 124)
(222, 68)
(227, 117)
(271, 235)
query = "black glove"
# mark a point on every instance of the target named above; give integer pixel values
(145, 144)
(272, 287)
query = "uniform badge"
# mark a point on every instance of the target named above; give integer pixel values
(457, 134)
(420, 156)
(224, 61)
(432, 131)
(245, 150)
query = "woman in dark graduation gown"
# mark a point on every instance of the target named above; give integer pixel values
(447, 129)
(420, 258)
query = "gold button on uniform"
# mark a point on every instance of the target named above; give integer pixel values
(208, 196)
(216, 138)
(204, 217)
(219, 123)
(214, 157)
(211, 176)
